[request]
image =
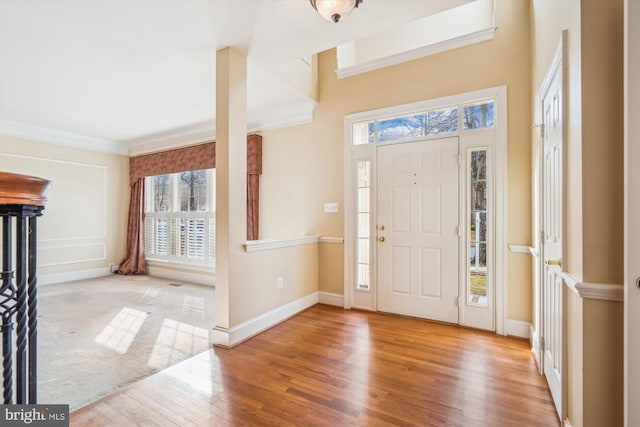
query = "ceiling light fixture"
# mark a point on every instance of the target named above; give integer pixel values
(334, 10)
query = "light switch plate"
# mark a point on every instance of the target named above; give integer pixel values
(332, 207)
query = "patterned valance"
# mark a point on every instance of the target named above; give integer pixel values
(202, 156)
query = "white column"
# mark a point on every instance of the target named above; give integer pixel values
(231, 181)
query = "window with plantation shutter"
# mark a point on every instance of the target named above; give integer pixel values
(180, 217)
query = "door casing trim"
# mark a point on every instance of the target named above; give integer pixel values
(499, 93)
(557, 64)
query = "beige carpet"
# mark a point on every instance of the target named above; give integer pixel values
(98, 335)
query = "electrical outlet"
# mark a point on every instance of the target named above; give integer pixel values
(280, 282)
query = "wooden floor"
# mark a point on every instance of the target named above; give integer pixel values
(334, 367)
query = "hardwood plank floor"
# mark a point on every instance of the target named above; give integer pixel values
(333, 367)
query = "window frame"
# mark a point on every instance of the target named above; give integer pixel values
(207, 263)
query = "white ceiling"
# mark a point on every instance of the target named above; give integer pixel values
(118, 72)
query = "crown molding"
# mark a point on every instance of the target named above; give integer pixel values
(53, 136)
(410, 55)
(267, 118)
(175, 138)
(264, 119)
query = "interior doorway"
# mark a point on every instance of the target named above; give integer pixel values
(551, 112)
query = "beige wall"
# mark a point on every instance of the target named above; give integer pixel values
(575, 356)
(603, 206)
(85, 220)
(602, 363)
(256, 289)
(602, 140)
(303, 165)
(331, 277)
(594, 204)
(300, 172)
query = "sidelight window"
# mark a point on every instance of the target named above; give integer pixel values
(364, 226)
(478, 215)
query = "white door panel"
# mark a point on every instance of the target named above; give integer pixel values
(418, 208)
(552, 283)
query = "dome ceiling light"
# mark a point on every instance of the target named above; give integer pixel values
(334, 10)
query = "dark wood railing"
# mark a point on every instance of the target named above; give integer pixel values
(22, 200)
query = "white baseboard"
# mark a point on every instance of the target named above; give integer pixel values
(245, 330)
(207, 279)
(330, 298)
(50, 279)
(517, 328)
(534, 340)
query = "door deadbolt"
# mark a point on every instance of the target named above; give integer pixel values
(557, 262)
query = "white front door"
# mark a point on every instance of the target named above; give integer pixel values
(552, 283)
(418, 229)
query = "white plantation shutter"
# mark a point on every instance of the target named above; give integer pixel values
(212, 241)
(181, 236)
(177, 246)
(149, 236)
(195, 238)
(161, 236)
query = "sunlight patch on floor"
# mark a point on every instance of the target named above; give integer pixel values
(121, 331)
(176, 341)
(202, 373)
(193, 307)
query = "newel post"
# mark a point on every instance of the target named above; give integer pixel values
(22, 200)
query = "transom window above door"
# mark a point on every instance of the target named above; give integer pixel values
(436, 122)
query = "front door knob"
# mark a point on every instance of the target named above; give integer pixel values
(381, 239)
